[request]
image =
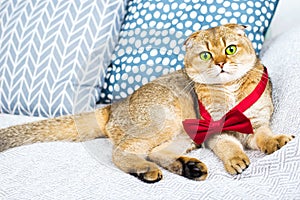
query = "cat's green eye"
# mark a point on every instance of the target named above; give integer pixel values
(231, 49)
(205, 56)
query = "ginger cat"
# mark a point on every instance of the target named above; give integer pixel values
(146, 129)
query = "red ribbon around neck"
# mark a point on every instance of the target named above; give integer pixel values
(234, 120)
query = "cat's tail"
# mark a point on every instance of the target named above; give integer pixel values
(77, 128)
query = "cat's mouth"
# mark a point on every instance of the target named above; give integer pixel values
(223, 72)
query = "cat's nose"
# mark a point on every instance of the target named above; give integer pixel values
(220, 64)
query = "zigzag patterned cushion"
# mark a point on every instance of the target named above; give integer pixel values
(152, 36)
(53, 54)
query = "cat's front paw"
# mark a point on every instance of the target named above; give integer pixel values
(272, 143)
(192, 168)
(237, 164)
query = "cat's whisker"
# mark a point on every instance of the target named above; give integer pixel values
(188, 88)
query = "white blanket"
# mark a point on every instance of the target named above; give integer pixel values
(85, 170)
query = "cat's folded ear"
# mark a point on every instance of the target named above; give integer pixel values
(239, 28)
(189, 42)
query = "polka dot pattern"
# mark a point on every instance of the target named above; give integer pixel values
(153, 33)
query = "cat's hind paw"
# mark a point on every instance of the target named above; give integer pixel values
(192, 168)
(149, 175)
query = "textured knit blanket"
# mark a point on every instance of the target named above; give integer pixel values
(63, 170)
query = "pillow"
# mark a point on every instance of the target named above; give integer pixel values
(152, 37)
(54, 54)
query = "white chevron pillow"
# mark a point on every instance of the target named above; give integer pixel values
(53, 54)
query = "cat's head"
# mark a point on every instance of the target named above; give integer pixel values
(219, 55)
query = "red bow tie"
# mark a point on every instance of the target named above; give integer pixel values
(234, 120)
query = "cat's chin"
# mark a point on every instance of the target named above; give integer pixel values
(220, 78)
(225, 77)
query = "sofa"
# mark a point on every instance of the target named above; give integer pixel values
(66, 57)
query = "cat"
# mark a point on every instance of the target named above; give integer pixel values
(147, 129)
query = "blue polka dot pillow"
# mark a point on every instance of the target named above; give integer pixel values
(153, 33)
